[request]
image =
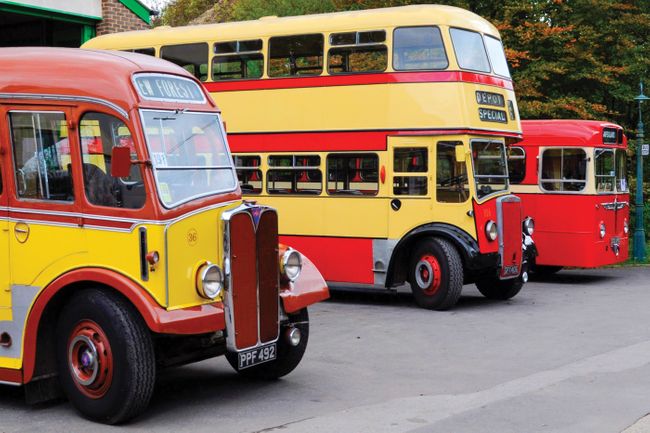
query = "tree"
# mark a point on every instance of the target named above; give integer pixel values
(254, 9)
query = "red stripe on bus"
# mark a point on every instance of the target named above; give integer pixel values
(323, 141)
(343, 260)
(358, 79)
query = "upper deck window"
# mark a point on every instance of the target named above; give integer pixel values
(238, 60)
(497, 56)
(564, 169)
(470, 51)
(418, 48)
(296, 55)
(358, 52)
(192, 57)
(41, 151)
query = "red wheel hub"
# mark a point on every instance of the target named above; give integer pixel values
(90, 359)
(428, 274)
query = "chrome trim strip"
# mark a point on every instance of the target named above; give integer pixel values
(500, 201)
(382, 251)
(22, 298)
(67, 98)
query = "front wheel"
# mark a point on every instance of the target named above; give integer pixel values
(436, 274)
(494, 288)
(289, 355)
(105, 357)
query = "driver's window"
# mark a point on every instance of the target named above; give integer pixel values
(99, 133)
(451, 176)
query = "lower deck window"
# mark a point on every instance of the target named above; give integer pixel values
(451, 176)
(294, 174)
(352, 174)
(516, 165)
(564, 170)
(249, 174)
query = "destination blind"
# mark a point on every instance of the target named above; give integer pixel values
(168, 88)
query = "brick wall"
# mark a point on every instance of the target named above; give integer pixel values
(118, 18)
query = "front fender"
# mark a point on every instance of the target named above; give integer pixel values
(309, 288)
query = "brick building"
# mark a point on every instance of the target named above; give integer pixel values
(67, 23)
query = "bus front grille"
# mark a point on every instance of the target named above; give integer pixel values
(252, 292)
(509, 213)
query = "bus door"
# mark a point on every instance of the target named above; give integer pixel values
(410, 184)
(45, 228)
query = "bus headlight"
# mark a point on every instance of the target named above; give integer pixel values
(626, 226)
(209, 281)
(529, 226)
(491, 230)
(291, 264)
(603, 230)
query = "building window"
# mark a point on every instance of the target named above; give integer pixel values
(192, 57)
(41, 152)
(249, 174)
(294, 174)
(564, 169)
(99, 133)
(296, 55)
(418, 48)
(352, 174)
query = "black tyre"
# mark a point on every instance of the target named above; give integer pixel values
(436, 274)
(546, 270)
(288, 356)
(105, 357)
(494, 288)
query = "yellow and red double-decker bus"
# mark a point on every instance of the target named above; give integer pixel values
(380, 134)
(125, 245)
(580, 168)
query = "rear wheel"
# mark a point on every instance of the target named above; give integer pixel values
(436, 274)
(105, 357)
(289, 356)
(494, 288)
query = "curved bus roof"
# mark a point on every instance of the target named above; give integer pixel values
(102, 75)
(565, 132)
(332, 22)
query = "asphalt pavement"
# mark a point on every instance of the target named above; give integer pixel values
(570, 353)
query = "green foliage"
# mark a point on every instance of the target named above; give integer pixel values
(181, 12)
(254, 9)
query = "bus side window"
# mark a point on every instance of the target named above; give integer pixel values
(249, 174)
(237, 60)
(98, 134)
(451, 176)
(418, 48)
(470, 50)
(358, 52)
(42, 156)
(605, 170)
(192, 57)
(410, 160)
(564, 169)
(516, 165)
(145, 51)
(294, 174)
(352, 174)
(296, 55)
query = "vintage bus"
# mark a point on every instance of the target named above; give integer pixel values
(379, 134)
(571, 176)
(125, 244)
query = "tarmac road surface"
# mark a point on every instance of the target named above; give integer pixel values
(568, 354)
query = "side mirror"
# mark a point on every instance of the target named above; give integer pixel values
(121, 161)
(460, 153)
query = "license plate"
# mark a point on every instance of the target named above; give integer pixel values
(510, 271)
(258, 355)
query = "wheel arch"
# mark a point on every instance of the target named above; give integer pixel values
(399, 262)
(41, 322)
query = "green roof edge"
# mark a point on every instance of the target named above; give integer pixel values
(139, 9)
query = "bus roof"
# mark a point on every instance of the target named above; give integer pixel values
(370, 19)
(566, 132)
(81, 73)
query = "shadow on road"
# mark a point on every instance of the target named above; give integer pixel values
(572, 277)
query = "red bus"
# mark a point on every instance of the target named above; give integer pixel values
(571, 178)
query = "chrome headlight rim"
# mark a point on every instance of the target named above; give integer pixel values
(291, 264)
(209, 281)
(528, 226)
(491, 230)
(603, 230)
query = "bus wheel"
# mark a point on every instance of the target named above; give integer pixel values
(546, 270)
(105, 357)
(289, 354)
(436, 274)
(494, 288)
